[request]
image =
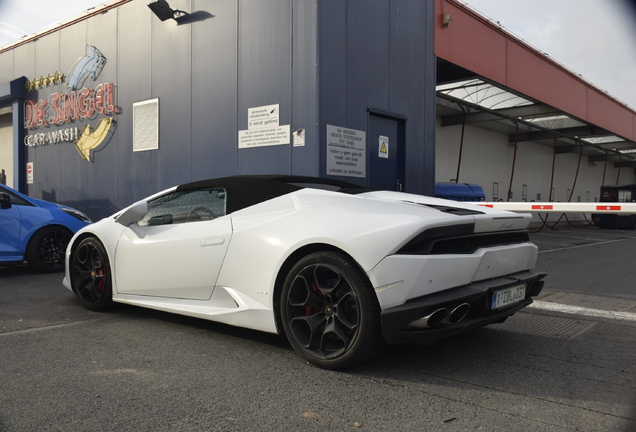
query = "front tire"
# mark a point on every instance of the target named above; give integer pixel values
(90, 275)
(47, 248)
(330, 312)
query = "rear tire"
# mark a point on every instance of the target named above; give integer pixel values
(90, 275)
(330, 312)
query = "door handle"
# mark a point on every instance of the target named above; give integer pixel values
(212, 242)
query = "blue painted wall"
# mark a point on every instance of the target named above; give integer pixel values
(379, 55)
(324, 62)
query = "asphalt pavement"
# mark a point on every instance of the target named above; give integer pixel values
(565, 364)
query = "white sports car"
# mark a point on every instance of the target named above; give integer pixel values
(338, 268)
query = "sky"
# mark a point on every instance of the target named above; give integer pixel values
(593, 38)
(25, 17)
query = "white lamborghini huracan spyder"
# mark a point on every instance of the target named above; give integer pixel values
(340, 269)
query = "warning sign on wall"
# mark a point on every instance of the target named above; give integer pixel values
(383, 147)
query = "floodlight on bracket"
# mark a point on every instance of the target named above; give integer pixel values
(162, 9)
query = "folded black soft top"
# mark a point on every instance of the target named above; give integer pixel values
(247, 190)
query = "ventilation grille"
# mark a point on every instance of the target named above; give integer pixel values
(146, 125)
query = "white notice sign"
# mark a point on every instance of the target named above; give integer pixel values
(264, 137)
(299, 138)
(346, 152)
(263, 128)
(263, 117)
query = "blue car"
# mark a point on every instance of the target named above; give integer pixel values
(35, 230)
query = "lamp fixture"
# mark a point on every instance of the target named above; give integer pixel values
(446, 19)
(162, 9)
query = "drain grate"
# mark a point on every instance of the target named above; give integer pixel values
(548, 325)
(545, 325)
(590, 301)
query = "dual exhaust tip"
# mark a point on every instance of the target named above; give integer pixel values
(441, 316)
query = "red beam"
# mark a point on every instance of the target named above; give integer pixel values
(481, 46)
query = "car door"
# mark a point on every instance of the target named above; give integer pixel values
(10, 226)
(186, 237)
(11, 230)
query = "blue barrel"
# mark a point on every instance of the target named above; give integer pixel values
(460, 191)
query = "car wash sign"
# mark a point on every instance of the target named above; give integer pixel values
(63, 109)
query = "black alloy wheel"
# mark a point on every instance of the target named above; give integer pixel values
(330, 312)
(47, 248)
(90, 275)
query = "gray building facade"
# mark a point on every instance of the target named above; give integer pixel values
(116, 105)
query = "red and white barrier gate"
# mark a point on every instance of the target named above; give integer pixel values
(563, 207)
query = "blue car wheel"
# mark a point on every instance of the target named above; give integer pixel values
(46, 249)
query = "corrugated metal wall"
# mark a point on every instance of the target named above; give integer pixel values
(379, 55)
(323, 62)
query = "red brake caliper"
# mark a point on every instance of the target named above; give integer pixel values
(312, 310)
(100, 283)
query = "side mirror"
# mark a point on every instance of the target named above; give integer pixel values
(5, 201)
(132, 215)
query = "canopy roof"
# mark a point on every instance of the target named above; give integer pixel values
(491, 79)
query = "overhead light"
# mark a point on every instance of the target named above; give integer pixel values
(162, 9)
(446, 19)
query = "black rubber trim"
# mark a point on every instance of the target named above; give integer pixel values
(245, 191)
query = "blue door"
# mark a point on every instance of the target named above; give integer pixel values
(386, 152)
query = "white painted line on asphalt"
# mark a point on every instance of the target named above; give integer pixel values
(542, 242)
(49, 327)
(580, 246)
(577, 310)
(572, 237)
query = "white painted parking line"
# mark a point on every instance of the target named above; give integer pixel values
(577, 310)
(48, 327)
(543, 242)
(571, 237)
(581, 246)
